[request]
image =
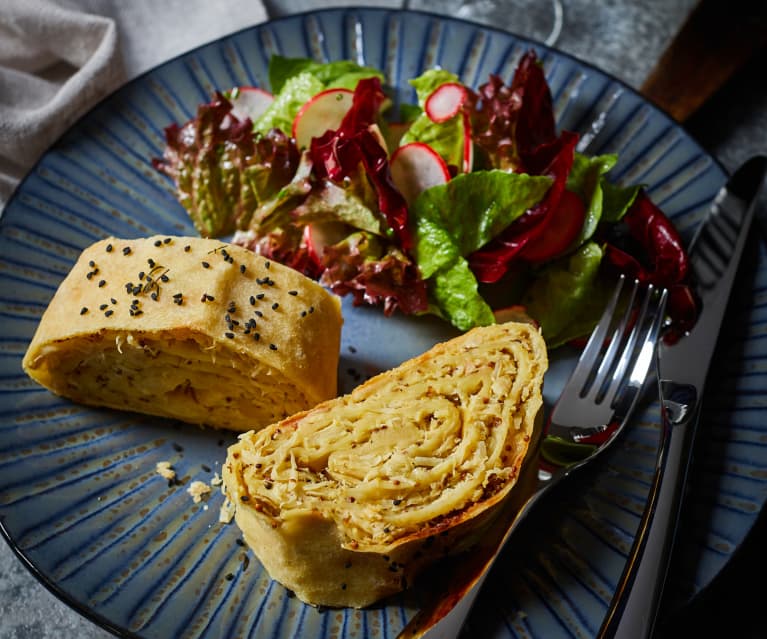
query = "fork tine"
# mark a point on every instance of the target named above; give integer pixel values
(625, 389)
(590, 356)
(642, 337)
(619, 342)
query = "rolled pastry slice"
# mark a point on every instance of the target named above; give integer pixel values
(345, 503)
(191, 329)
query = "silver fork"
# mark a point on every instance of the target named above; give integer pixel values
(592, 409)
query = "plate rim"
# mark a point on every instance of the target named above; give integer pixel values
(88, 612)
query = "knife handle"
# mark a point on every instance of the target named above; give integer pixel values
(634, 608)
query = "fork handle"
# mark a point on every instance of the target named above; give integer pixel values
(633, 611)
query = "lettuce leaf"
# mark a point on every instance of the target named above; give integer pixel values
(446, 138)
(295, 81)
(563, 298)
(296, 92)
(340, 73)
(585, 179)
(452, 220)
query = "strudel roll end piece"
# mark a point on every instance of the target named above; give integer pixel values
(345, 503)
(191, 329)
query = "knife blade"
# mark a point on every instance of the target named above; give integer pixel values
(682, 368)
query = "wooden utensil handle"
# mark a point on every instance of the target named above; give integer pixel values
(716, 39)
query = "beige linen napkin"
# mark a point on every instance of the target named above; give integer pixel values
(59, 57)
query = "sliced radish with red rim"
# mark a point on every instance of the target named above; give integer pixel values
(249, 102)
(415, 167)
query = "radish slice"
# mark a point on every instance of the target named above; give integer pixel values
(323, 112)
(249, 102)
(415, 167)
(468, 145)
(445, 101)
(321, 234)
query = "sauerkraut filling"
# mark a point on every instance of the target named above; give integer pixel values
(193, 379)
(403, 450)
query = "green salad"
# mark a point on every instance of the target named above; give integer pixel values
(465, 201)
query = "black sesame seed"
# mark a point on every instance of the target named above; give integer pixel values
(127, 250)
(167, 240)
(103, 307)
(293, 293)
(164, 278)
(109, 313)
(311, 309)
(113, 300)
(252, 301)
(242, 268)
(206, 468)
(259, 314)
(229, 577)
(260, 296)
(83, 310)
(256, 336)
(229, 335)
(187, 248)
(154, 296)
(273, 347)
(205, 265)
(151, 262)
(303, 313)
(275, 306)
(109, 248)
(158, 243)
(102, 283)
(267, 264)
(232, 308)
(244, 498)
(91, 263)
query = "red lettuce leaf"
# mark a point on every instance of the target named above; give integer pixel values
(514, 125)
(221, 170)
(373, 274)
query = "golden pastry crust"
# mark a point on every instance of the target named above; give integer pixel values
(346, 502)
(188, 328)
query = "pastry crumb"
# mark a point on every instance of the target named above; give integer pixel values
(165, 470)
(199, 490)
(226, 514)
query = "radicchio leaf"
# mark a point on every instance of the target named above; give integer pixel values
(656, 256)
(491, 262)
(338, 155)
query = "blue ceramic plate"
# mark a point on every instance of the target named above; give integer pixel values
(80, 500)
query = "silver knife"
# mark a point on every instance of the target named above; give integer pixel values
(682, 368)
